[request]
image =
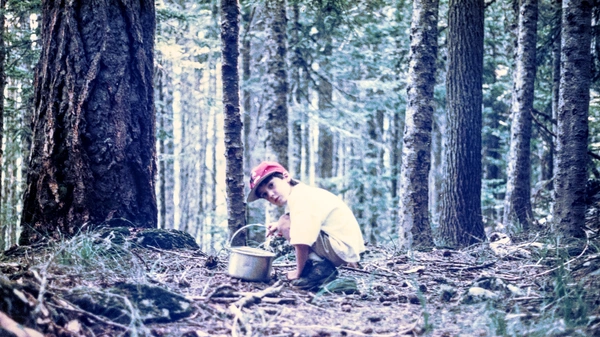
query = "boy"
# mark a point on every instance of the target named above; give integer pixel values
(320, 226)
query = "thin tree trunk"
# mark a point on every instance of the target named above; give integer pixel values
(184, 154)
(164, 92)
(325, 92)
(277, 86)
(461, 223)
(517, 202)
(234, 147)
(573, 105)
(297, 63)
(2, 85)
(414, 227)
(556, 61)
(247, 18)
(93, 135)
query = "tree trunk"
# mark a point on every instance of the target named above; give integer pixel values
(247, 18)
(2, 85)
(555, 90)
(234, 147)
(164, 105)
(373, 171)
(517, 202)
(297, 62)
(460, 222)
(184, 155)
(93, 136)
(573, 105)
(277, 86)
(414, 227)
(325, 94)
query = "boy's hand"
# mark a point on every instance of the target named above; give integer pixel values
(272, 228)
(293, 275)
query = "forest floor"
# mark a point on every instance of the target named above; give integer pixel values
(519, 287)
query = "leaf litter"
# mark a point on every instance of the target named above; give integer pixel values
(500, 288)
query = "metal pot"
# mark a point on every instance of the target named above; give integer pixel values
(248, 263)
(251, 264)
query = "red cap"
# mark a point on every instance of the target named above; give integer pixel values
(260, 173)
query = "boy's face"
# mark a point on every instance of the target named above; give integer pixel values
(276, 191)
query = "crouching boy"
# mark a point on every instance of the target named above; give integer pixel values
(320, 226)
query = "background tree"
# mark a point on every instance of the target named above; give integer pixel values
(573, 105)
(277, 86)
(93, 143)
(2, 85)
(415, 228)
(460, 222)
(517, 204)
(234, 148)
(367, 69)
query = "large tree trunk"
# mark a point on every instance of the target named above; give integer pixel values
(277, 86)
(414, 227)
(93, 145)
(517, 203)
(573, 105)
(234, 147)
(460, 220)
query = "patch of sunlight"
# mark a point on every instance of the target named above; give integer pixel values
(501, 70)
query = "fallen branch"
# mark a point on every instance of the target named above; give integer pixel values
(251, 298)
(481, 266)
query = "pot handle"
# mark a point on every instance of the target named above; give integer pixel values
(242, 228)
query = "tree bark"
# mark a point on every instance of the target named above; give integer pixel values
(517, 202)
(555, 90)
(2, 85)
(247, 18)
(234, 147)
(277, 86)
(573, 105)
(93, 146)
(414, 227)
(460, 222)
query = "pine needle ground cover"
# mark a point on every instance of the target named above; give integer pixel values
(121, 282)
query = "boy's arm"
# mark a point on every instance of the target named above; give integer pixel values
(301, 258)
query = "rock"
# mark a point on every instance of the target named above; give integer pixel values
(166, 239)
(154, 304)
(516, 291)
(447, 293)
(414, 299)
(478, 294)
(116, 235)
(490, 283)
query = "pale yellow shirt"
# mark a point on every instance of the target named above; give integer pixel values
(313, 210)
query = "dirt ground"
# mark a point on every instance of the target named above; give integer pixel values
(492, 289)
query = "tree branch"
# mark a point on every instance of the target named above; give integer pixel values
(541, 124)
